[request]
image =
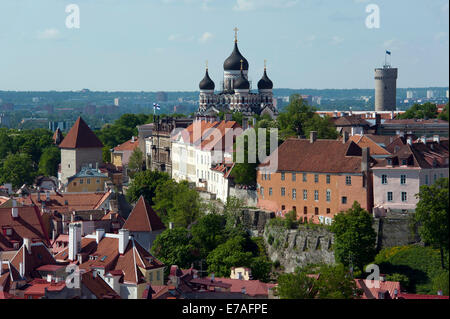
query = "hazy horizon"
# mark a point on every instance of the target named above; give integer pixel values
(162, 45)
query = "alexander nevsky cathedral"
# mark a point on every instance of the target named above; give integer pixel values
(236, 94)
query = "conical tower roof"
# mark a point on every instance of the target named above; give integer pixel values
(81, 136)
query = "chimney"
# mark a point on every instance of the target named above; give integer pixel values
(74, 240)
(99, 234)
(436, 139)
(132, 139)
(345, 137)
(213, 277)
(124, 238)
(312, 136)
(39, 195)
(96, 166)
(409, 140)
(47, 196)
(27, 244)
(392, 115)
(1, 269)
(377, 119)
(15, 212)
(53, 234)
(243, 291)
(244, 123)
(395, 293)
(254, 121)
(49, 278)
(365, 159)
(440, 293)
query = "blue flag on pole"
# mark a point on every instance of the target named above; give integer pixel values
(156, 106)
(388, 52)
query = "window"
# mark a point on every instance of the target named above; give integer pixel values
(305, 210)
(98, 181)
(348, 180)
(404, 162)
(262, 191)
(270, 191)
(390, 196)
(344, 200)
(316, 211)
(426, 179)
(304, 177)
(305, 194)
(74, 184)
(404, 197)
(328, 179)
(403, 179)
(294, 177)
(88, 181)
(328, 211)
(151, 276)
(282, 176)
(283, 191)
(316, 178)
(384, 179)
(328, 195)
(294, 193)
(269, 176)
(316, 195)
(81, 181)
(103, 258)
(389, 161)
(435, 177)
(158, 275)
(283, 207)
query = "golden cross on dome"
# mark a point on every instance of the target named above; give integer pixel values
(235, 34)
(206, 64)
(242, 64)
(265, 64)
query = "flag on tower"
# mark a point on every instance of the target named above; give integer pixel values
(388, 52)
(156, 106)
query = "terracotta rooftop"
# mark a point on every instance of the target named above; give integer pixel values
(386, 287)
(322, 156)
(352, 120)
(129, 145)
(81, 136)
(143, 218)
(365, 141)
(28, 224)
(97, 286)
(32, 259)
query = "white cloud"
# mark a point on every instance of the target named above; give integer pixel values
(49, 34)
(206, 37)
(248, 5)
(337, 40)
(180, 38)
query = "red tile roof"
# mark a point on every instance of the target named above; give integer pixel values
(365, 141)
(28, 225)
(129, 145)
(414, 296)
(97, 286)
(39, 286)
(81, 136)
(75, 201)
(324, 156)
(143, 218)
(386, 287)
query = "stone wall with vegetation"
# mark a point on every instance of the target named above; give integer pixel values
(292, 248)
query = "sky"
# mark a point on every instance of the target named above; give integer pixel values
(152, 45)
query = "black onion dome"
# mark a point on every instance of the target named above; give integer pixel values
(233, 62)
(242, 83)
(265, 83)
(207, 83)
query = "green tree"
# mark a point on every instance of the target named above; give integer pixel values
(49, 161)
(336, 282)
(227, 255)
(433, 217)
(208, 233)
(17, 169)
(297, 285)
(441, 282)
(420, 111)
(444, 114)
(232, 210)
(145, 184)
(136, 161)
(354, 237)
(177, 203)
(173, 247)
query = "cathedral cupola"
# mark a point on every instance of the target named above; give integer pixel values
(233, 62)
(265, 83)
(207, 83)
(241, 83)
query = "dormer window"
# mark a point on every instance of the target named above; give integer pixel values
(404, 162)
(389, 161)
(7, 231)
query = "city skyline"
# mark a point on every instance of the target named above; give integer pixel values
(164, 44)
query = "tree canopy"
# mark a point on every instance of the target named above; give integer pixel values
(433, 216)
(145, 183)
(355, 238)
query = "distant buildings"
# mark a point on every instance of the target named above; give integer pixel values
(161, 97)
